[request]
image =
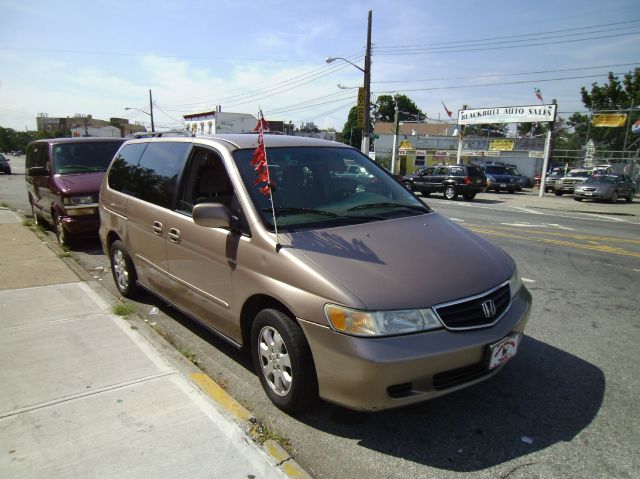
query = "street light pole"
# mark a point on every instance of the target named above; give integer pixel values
(366, 131)
(366, 135)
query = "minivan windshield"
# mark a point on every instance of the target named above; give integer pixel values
(313, 188)
(85, 157)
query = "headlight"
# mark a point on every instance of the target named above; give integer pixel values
(491, 179)
(380, 323)
(79, 200)
(515, 282)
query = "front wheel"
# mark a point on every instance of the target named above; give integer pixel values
(408, 185)
(123, 270)
(283, 362)
(450, 192)
(558, 193)
(630, 197)
(469, 196)
(61, 233)
(614, 198)
(577, 199)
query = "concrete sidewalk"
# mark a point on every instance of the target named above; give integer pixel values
(85, 394)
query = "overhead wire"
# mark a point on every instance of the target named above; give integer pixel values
(505, 37)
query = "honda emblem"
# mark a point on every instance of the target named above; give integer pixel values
(489, 309)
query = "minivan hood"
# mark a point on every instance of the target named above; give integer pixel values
(80, 183)
(405, 263)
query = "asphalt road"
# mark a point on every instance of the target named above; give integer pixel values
(566, 406)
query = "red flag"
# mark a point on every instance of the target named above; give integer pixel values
(262, 124)
(445, 109)
(259, 161)
(538, 94)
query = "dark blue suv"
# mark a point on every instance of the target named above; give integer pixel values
(499, 178)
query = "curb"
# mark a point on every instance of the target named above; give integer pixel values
(208, 386)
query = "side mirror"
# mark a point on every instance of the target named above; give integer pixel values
(211, 215)
(37, 171)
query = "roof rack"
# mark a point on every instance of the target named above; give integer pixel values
(159, 134)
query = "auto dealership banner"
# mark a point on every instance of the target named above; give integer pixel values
(508, 114)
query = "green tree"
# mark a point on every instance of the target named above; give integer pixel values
(351, 132)
(384, 108)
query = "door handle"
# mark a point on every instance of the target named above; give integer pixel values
(174, 235)
(157, 228)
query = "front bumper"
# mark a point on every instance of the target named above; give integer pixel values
(81, 225)
(593, 195)
(371, 374)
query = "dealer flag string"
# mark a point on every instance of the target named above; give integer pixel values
(261, 167)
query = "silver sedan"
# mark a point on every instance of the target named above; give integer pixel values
(605, 187)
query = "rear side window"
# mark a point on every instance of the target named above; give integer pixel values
(149, 171)
(157, 173)
(457, 171)
(123, 170)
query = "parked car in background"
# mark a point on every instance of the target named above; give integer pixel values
(5, 166)
(451, 180)
(499, 178)
(63, 178)
(606, 188)
(368, 298)
(552, 177)
(567, 183)
(522, 181)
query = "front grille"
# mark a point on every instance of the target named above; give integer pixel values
(469, 313)
(455, 377)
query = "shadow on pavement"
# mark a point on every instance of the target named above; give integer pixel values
(546, 395)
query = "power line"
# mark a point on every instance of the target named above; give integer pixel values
(274, 86)
(508, 74)
(424, 51)
(476, 40)
(452, 87)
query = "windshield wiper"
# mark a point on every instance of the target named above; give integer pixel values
(284, 210)
(386, 205)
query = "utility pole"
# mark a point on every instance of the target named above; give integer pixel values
(153, 129)
(394, 152)
(366, 137)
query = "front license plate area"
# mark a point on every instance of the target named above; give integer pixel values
(503, 185)
(588, 193)
(503, 350)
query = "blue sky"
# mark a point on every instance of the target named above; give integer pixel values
(98, 57)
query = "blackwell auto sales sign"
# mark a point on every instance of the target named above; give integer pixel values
(508, 114)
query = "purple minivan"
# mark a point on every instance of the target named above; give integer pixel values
(63, 182)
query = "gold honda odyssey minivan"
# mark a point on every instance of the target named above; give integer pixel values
(344, 287)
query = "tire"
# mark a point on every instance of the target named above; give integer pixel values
(283, 362)
(577, 199)
(558, 193)
(123, 270)
(62, 235)
(469, 196)
(630, 197)
(512, 192)
(614, 198)
(450, 192)
(408, 185)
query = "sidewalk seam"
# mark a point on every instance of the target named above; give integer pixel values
(93, 392)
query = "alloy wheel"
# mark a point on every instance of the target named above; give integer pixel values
(275, 361)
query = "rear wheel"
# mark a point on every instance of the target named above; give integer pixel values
(450, 192)
(558, 193)
(282, 360)
(124, 272)
(630, 197)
